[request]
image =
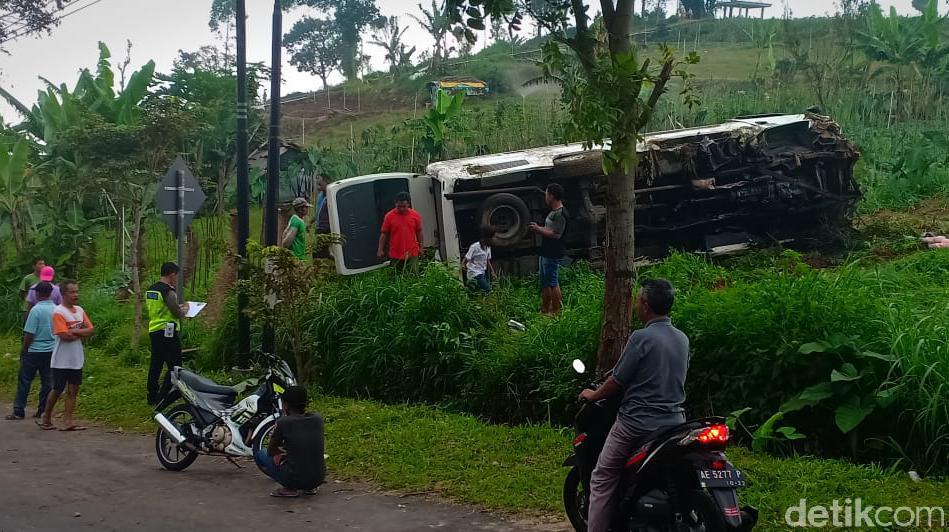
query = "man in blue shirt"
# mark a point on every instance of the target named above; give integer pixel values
(38, 341)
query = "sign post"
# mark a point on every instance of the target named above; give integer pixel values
(179, 198)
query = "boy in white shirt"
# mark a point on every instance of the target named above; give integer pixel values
(477, 262)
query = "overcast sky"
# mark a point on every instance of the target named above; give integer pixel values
(158, 29)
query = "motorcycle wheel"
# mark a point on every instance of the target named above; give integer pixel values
(262, 441)
(172, 456)
(575, 501)
(701, 513)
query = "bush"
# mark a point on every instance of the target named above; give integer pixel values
(425, 338)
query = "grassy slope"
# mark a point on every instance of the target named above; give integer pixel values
(718, 61)
(505, 468)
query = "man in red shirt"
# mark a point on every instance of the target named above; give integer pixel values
(401, 235)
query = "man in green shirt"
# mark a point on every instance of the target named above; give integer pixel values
(30, 280)
(294, 236)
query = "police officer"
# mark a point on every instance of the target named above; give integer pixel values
(164, 329)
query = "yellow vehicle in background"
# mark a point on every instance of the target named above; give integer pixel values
(455, 84)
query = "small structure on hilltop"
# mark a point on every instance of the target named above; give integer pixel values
(728, 8)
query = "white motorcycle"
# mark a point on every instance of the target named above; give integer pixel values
(199, 416)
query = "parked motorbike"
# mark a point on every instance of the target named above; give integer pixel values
(679, 479)
(201, 417)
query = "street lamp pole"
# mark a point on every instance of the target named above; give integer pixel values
(273, 152)
(243, 182)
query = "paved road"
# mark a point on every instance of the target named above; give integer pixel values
(96, 480)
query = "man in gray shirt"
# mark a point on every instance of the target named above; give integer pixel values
(650, 377)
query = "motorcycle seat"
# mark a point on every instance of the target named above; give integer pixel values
(663, 433)
(200, 384)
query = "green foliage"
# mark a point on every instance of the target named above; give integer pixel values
(436, 123)
(204, 81)
(698, 9)
(389, 39)
(222, 12)
(14, 176)
(609, 92)
(279, 289)
(879, 376)
(908, 49)
(26, 17)
(863, 382)
(899, 41)
(350, 18)
(315, 47)
(753, 332)
(437, 24)
(903, 167)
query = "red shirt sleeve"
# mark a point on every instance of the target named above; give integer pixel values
(418, 222)
(387, 222)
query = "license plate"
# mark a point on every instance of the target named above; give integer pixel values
(725, 478)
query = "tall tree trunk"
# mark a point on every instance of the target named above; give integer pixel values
(191, 256)
(620, 269)
(16, 231)
(137, 251)
(621, 198)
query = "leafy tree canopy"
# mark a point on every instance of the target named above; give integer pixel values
(351, 18)
(22, 17)
(314, 46)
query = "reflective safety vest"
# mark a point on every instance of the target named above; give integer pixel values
(158, 312)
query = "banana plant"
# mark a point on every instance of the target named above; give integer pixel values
(435, 124)
(14, 184)
(58, 108)
(917, 43)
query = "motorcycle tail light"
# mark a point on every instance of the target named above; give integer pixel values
(579, 439)
(713, 434)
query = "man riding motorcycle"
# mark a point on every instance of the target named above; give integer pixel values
(650, 378)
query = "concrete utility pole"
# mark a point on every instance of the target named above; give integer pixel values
(243, 181)
(273, 153)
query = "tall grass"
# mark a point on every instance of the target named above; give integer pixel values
(404, 338)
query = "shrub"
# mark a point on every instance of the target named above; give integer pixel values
(425, 338)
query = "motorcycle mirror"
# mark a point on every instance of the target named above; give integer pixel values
(579, 366)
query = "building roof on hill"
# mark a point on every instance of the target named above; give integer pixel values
(741, 4)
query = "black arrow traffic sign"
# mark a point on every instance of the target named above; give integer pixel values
(178, 199)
